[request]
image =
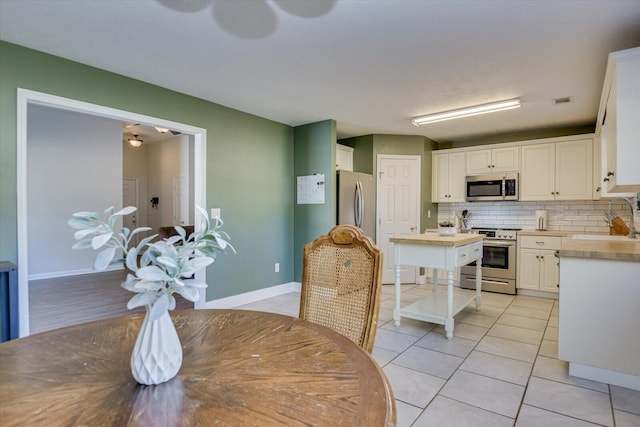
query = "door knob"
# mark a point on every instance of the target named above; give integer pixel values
(412, 228)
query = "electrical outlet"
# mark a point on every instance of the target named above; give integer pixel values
(215, 212)
(277, 268)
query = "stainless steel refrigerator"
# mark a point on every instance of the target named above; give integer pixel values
(356, 201)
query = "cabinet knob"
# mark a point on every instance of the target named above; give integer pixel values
(598, 189)
(605, 180)
(610, 174)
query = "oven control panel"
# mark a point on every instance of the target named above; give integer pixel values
(498, 233)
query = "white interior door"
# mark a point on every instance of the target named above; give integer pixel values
(398, 208)
(180, 201)
(130, 198)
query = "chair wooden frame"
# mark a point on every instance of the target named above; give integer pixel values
(341, 284)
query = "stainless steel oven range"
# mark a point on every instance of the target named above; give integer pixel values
(498, 261)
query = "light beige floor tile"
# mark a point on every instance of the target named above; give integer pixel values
(523, 322)
(553, 321)
(533, 302)
(625, 399)
(406, 414)
(416, 328)
(464, 330)
(428, 361)
(528, 312)
(394, 341)
(626, 419)
(412, 387)
(577, 402)
(551, 333)
(549, 348)
(383, 356)
(551, 368)
(456, 346)
(447, 412)
(486, 393)
(488, 310)
(515, 333)
(536, 417)
(498, 367)
(476, 318)
(508, 348)
(496, 300)
(385, 314)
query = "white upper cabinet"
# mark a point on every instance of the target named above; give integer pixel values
(344, 158)
(448, 177)
(618, 122)
(496, 160)
(557, 171)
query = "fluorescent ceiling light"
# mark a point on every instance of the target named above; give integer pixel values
(468, 111)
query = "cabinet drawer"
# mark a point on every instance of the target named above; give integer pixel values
(540, 242)
(465, 254)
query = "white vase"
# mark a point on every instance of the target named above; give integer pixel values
(157, 354)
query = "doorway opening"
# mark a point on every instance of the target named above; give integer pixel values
(26, 98)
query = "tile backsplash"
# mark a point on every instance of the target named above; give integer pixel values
(574, 216)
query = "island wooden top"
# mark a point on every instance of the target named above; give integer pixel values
(239, 368)
(435, 239)
(620, 250)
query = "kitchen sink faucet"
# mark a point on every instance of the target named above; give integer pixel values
(632, 225)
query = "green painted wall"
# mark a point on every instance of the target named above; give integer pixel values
(314, 152)
(249, 162)
(521, 136)
(363, 158)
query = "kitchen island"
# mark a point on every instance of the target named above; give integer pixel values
(599, 314)
(430, 250)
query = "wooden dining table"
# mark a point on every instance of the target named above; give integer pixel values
(239, 368)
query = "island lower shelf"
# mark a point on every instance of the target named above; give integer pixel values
(433, 307)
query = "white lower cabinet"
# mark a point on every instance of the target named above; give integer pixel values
(538, 264)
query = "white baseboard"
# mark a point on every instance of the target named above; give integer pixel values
(250, 297)
(604, 376)
(540, 294)
(57, 274)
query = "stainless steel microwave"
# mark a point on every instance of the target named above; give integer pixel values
(480, 188)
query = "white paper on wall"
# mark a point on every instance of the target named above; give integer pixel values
(311, 189)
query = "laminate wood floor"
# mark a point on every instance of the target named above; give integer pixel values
(65, 301)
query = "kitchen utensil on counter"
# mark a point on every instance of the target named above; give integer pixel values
(541, 220)
(618, 227)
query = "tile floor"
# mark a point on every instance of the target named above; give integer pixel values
(500, 369)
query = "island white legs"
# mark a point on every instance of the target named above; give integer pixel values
(443, 302)
(396, 310)
(448, 323)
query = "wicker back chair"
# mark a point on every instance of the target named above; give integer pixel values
(341, 281)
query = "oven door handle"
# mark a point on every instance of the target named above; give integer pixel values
(498, 243)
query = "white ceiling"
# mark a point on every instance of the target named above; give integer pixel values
(369, 64)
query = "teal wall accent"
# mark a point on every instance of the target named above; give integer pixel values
(314, 152)
(520, 136)
(249, 162)
(363, 158)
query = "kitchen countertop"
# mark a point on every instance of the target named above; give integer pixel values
(437, 240)
(619, 250)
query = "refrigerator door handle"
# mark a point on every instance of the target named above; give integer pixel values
(362, 206)
(357, 204)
